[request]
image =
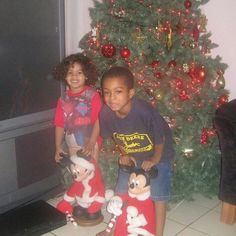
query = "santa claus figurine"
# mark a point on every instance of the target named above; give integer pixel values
(85, 197)
(134, 212)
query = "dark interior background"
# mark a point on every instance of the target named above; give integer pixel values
(32, 42)
(29, 49)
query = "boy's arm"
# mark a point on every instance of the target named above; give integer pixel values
(88, 148)
(59, 136)
(95, 132)
(155, 159)
(157, 153)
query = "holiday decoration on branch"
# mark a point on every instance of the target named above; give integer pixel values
(197, 74)
(108, 50)
(138, 36)
(169, 39)
(95, 34)
(166, 45)
(155, 64)
(222, 99)
(187, 4)
(125, 53)
(195, 33)
(220, 83)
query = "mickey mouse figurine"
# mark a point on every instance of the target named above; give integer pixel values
(86, 195)
(134, 212)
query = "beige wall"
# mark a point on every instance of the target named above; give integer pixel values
(220, 14)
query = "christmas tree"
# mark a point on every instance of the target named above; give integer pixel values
(166, 45)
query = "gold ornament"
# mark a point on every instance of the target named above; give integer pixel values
(138, 36)
(159, 27)
(202, 23)
(159, 95)
(220, 83)
(169, 39)
(192, 44)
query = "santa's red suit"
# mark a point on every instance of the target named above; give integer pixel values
(145, 211)
(88, 193)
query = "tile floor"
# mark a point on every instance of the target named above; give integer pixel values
(196, 218)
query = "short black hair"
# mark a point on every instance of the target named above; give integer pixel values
(88, 68)
(119, 72)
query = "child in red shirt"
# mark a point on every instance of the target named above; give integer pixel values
(76, 116)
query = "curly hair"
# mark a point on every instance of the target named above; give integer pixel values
(88, 68)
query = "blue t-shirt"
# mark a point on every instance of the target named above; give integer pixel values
(139, 131)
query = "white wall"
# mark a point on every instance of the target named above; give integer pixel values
(220, 15)
(221, 23)
(77, 22)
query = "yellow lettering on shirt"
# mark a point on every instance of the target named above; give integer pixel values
(134, 143)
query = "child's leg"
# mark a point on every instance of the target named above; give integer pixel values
(122, 182)
(160, 193)
(160, 208)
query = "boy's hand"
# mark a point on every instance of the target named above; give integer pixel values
(147, 165)
(126, 160)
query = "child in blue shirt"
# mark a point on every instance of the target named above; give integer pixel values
(142, 135)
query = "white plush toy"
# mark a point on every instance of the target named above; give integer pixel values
(135, 222)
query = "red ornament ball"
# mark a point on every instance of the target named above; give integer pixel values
(125, 53)
(187, 4)
(197, 74)
(201, 75)
(223, 99)
(154, 64)
(108, 50)
(172, 63)
(204, 139)
(183, 95)
(158, 75)
(204, 136)
(179, 83)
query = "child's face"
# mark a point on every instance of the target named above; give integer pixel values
(75, 78)
(117, 95)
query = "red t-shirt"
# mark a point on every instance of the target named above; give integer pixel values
(75, 112)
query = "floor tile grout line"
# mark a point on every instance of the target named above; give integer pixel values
(189, 225)
(210, 208)
(193, 230)
(177, 205)
(200, 231)
(195, 204)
